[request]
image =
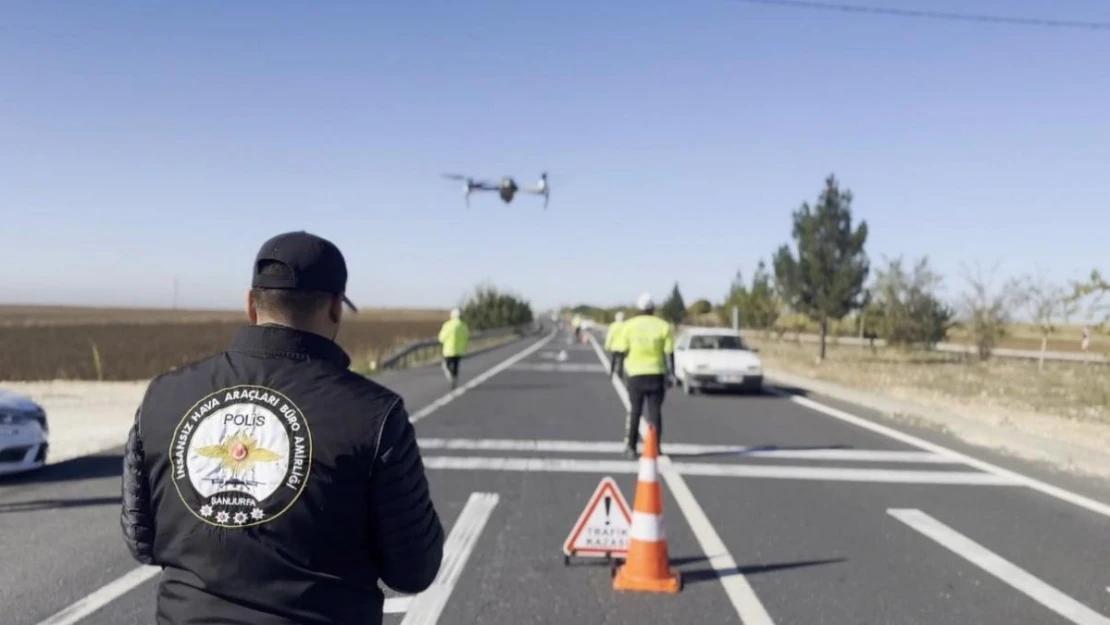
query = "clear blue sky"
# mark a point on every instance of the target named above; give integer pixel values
(145, 140)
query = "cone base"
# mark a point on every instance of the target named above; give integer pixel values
(625, 580)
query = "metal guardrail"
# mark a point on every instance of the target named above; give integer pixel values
(958, 348)
(428, 349)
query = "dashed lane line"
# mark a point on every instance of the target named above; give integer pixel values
(103, 596)
(1024, 480)
(1001, 568)
(505, 364)
(427, 606)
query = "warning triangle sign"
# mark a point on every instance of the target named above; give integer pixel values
(603, 526)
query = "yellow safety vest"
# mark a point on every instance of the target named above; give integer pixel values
(646, 340)
(454, 335)
(610, 337)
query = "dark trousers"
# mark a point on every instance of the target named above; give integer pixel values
(452, 363)
(649, 390)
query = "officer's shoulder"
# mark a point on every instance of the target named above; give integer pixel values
(369, 392)
(183, 373)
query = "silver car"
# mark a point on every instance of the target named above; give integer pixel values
(24, 434)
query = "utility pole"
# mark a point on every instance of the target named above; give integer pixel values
(175, 292)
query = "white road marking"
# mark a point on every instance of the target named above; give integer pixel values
(785, 472)
(456, 550)
(397, 605)
(455, 394)
(1004, 570)
(103, 596)
(739, 591)
(559, 368)
(685, 449)
(428, 605)
(1024, 480)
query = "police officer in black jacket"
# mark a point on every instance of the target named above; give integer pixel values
(271, 483)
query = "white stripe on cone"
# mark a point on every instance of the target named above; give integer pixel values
(648, 471)
(647, 527)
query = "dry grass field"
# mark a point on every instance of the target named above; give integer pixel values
(1078, 392)
(48, 342)
(1066, 338)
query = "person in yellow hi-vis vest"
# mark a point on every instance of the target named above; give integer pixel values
(577, 323)
(645, 347)
(610, 338)
(454, 335)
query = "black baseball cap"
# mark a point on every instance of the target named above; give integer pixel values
(309, 262)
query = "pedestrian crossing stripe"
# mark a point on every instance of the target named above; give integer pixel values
(603, 527)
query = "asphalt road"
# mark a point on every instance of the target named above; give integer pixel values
(823, 517)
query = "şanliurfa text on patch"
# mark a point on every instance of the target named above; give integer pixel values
(241, 456)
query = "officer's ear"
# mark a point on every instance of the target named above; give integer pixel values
(335, 309)
(252, 307)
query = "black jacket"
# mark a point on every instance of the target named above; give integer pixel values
(275, 486)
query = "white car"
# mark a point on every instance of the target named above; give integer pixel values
(24, 434)
(716, 358)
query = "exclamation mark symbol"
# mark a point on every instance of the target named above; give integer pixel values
(608, 502)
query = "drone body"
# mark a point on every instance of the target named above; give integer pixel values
(506, 188)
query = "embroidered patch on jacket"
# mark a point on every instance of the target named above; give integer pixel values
(241, 456)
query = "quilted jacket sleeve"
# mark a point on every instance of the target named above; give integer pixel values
(136, 515)
(408, 535)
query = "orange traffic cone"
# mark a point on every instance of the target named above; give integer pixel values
(647, 566)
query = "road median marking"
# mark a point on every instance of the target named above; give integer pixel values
(1001, 568)
(560, 367)
(705, 469)
(687, 449)
(489, 373)
(736, 586)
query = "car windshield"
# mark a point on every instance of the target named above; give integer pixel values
(721, 341)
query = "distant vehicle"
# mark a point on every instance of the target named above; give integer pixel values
(24, 434)
(716, 358)
(507, 188)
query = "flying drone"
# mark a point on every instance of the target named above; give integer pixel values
(506, 188)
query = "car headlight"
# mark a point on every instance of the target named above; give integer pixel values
(15, 418)
(23, 418)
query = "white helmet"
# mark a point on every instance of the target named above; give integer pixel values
(619, 316)
(455, 313)
(645, 302)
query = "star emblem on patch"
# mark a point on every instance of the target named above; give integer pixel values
(206, 511)
(240, 517)
(257, 514)
(222, 517)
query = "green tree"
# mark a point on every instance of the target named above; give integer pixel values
(762, 307)
(674, 308)
(700, 307)
(758, 304)
(909, 309)
(489, 308)
(1093, 292)
(825, 281)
